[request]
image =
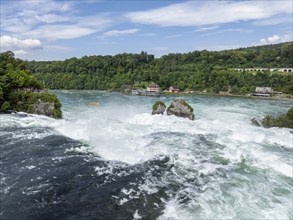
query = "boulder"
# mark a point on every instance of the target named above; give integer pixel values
(180, 108)
(159, 107)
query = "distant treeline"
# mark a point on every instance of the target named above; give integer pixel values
(197, 70)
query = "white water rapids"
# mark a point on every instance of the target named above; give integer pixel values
(222, 165)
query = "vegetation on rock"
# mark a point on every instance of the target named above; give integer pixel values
(183, 102)
(281, 121)
(157, 103)
(180, 108)
(159, 107)
(20, 90)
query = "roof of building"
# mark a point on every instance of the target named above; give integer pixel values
(173, 87)
(153, 85)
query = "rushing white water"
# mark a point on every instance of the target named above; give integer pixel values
(223, 167)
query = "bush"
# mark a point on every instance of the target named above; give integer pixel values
(5, 107)
(235, 90)
(157, 103)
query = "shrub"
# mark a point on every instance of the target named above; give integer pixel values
(157, 103)
(5, 107)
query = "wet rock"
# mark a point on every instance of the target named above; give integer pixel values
(43, 108)
(159, 107)
(255, 122)
(180, 108)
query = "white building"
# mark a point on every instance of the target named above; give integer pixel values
(264, 90)
(153, 87)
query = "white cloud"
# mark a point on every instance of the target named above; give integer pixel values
(115, 33)
(19, 47)
(204, 29)
(81, 26)
(197, 13)
(263, 41)
(38, 6)
(237, 30)
(274, 39)
(19, 52)
(50, 20)
(30, 13)
(55, 32)
(278, 19)
(13, 43)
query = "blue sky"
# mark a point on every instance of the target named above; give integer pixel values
(56, 30)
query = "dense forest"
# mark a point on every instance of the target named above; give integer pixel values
(197, 70)
(19, 88)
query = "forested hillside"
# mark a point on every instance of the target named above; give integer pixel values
(197, 70)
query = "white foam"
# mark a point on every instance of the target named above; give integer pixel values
(136, 215)
(127, 132)
(30, 167)
(131, 134)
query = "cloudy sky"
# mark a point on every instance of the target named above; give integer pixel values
(56, 30)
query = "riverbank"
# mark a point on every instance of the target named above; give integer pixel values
(229, 95)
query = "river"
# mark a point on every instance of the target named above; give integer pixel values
(112, 159)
